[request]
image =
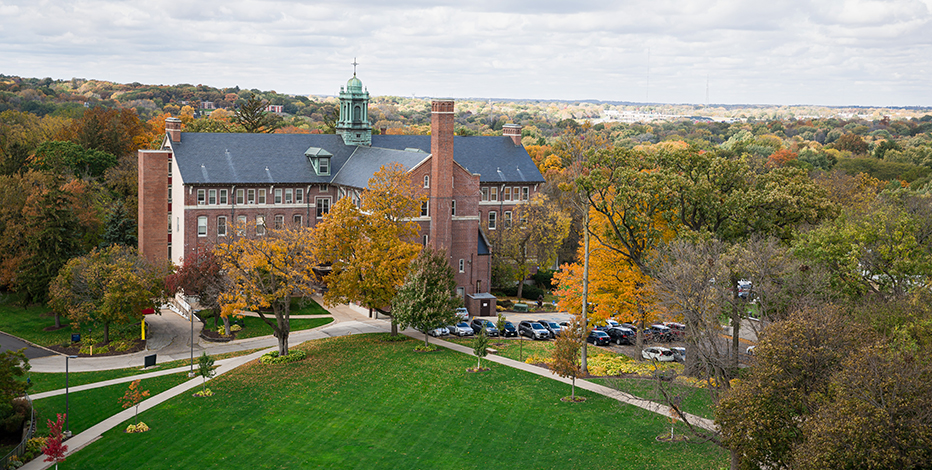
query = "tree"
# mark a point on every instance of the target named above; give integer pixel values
(264, 273)
(201, 276)
(113, 131)
(427, 299)
(254, 118)
(480, 347)
(13, 364)
(119, 227)
(205, 369)
(370, 247)
(68, 158)
(533, 238)
(133, 397)
(113, 285)
(53, 449)
(565, 354)
(53, 228)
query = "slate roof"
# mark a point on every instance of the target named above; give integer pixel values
(215, 158)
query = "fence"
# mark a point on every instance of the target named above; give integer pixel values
(28, 431)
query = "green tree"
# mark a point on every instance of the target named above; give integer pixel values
(427, 299)
(480, 347)
(254, 118)
(119, 227)
(565, 353)
(113, 285)
(205, 369)
(13, 365)
(70, 158)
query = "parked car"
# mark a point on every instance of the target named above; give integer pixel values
(622, 335)
(438, 332)
(480, 323)
(678, 330)
(657, 353)
(552, 327)
(612, 323)
(462, 314)
(660, 332)
(533, 330)
(598, 338)
(509, 330)
(461, 329)
(679, 354)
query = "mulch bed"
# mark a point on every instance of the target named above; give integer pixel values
(138, 345)
(211, 334)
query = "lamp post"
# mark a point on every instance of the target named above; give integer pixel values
(67, 428)
(191, 374)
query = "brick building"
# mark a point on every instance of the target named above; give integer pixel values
(198, 186)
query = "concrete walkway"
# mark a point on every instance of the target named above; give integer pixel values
(348, 319)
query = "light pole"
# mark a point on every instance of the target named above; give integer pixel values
(67, 428)
(191, 374)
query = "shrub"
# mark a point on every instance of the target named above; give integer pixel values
(204, 393)
(141, 427)
(605, 364)
(121, 346)
(273, 357)
(89, 348)
(544, 278)
(421, 347)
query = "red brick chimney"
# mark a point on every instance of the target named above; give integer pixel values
(173, 128)
(513, 131)
(441, 174)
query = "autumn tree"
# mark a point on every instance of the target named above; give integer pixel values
(565, 353)
(53, 449)
(133, 396)
(532, 239)
(201, 276)
(112, 285)
(264, 273)
(113, 131)
(370, 247)
(427, 298)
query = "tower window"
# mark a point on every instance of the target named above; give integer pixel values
(452, 207)
(426, 181)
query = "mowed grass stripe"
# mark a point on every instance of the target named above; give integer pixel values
(356, 402)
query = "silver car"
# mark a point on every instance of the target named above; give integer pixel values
(461, 329)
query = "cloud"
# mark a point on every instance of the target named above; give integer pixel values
(783, 51)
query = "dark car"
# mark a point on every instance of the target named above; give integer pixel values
(509, 330)
(480, 323)
(533, 330)
(598, 338)
(661, 333)
(552, 327)
(622, 335)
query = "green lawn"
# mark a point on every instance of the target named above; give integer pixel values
(520, 348)
(30, 323)
(90, 407)
(694, 400)
(254, 326)
(357, 402)
(43, 382)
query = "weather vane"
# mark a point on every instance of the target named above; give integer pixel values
(354, 66)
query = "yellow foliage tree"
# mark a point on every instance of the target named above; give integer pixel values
(370, 247)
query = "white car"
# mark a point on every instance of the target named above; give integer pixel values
(462, 314)
(656, 353)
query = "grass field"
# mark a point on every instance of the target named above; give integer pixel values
(357, 402)
(90, 407)
(254, 326)
(43, 382)
(693, 400)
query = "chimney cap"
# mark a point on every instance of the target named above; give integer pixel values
(172, 119)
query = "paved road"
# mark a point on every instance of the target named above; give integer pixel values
(8, 343)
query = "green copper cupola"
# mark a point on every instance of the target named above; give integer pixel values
(354, 113)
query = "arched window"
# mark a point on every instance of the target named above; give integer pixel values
(426, 181)
(357, 114)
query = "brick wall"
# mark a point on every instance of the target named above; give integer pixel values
(153, 203)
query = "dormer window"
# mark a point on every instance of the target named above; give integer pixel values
(319, 159)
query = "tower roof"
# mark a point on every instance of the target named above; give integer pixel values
(354, 84)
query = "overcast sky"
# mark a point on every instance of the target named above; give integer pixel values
(828, 52)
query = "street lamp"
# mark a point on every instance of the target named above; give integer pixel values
(191, 374)
(67, 428)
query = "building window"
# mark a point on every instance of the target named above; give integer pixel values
(522, 217)
(485, 193)
(241, 225)
(212, 197)
(493, 193)
(169, 194)
(278, 195)
(202, 226)
(492, 216)
(323, 166)
(279, 222)
(323, 188)
(250, 196)
(452, 207)
(261, 196)
(323, 206)
(169, 222)
(516, 193)
(507, 218)
(462, 265)
(426, 181)
(239, 196)
(461, 291)
(426, 239)
(221, 226)
(425, 209)
(223, 197)
(525, 193)
(289, 196)
(506, 194)
(200, 197)
(297, 220)
(260, 225)
(299, 196)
